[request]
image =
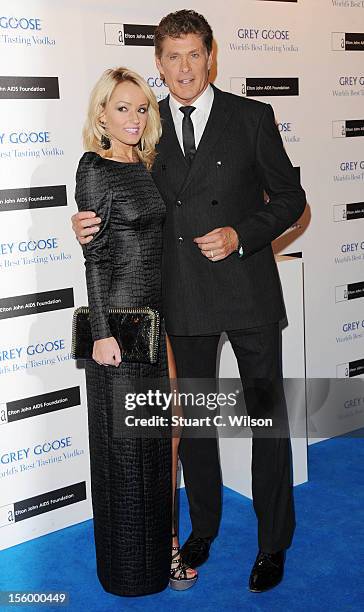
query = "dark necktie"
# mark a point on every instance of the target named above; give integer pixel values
(188, 133)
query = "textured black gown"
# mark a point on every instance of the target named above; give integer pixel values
(130, 478)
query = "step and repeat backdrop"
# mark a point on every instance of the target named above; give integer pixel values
(302, 56)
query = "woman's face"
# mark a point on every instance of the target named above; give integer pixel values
(125, 115)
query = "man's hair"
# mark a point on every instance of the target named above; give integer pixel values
(179, 24)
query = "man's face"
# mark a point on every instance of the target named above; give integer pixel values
(185, 65)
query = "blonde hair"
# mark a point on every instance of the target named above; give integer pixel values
(100, 96)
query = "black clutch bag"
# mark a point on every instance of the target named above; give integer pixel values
(136, 330)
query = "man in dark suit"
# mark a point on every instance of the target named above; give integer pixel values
(217, 156)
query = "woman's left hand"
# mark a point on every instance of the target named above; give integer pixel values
(107, 352)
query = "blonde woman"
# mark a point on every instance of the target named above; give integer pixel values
(133, 479)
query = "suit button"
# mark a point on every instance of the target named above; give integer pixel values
(214, 202)
(180, 239)
(179, 203)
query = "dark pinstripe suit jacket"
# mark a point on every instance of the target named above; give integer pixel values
(240, 156)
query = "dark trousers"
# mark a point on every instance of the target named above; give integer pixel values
(258, 354)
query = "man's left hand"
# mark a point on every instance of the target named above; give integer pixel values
(218, 244)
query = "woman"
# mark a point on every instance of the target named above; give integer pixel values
(130, 477)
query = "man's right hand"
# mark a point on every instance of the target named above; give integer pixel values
(85, 224)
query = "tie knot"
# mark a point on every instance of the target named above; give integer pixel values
(187, 110)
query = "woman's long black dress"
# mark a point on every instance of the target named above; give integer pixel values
(130, 477)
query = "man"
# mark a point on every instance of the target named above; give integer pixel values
(217, 156)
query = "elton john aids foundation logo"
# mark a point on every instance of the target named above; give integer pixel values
(264, 86)
(349, 128)
(120, 34)
(20, 198)
(350, 291)
(27, 87)
(44, 502)
(348, 212)
(347, 41)
(36, 405)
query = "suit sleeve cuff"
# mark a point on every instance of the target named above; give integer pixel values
(240, 250)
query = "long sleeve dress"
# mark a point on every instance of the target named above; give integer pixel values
(130, 476)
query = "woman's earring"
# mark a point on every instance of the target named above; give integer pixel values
(105, 142)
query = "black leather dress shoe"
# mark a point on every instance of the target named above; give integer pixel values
(267, 571)
(195, 551)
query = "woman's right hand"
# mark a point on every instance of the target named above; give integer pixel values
(107, 352)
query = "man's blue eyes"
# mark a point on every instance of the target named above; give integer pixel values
(194, 55)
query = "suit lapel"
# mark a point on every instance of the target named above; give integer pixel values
(215, 126)
(171, 156)
(213, 132)
(169, 143)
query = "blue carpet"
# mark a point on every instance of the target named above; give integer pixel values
(324, 567)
